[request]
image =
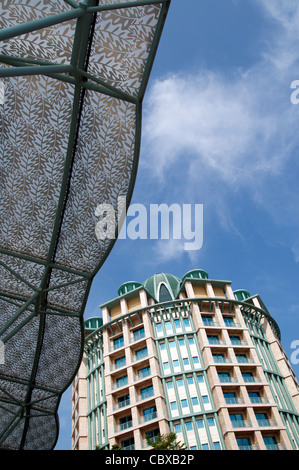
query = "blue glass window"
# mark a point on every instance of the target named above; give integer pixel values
(164, 294)
(188, 425)
(211, 421)
(138, 334)
(177, 428)
(118, 342)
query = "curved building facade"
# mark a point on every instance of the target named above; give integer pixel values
(190, 356)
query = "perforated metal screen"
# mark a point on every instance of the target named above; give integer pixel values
(73, 77)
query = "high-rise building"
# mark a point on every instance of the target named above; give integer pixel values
(189, 356)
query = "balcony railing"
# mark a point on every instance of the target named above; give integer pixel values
(137, 337)
(257, 400)
(139, 356)
(216, 341)
(145, 395)
(148, 417)
(142, 375)
(275, 446)
(121, 404)
(221, 360)
(144, 443)
(241, 423)
(267, 422)
(119, 384)
(228, 379)
(234, 401)
(210, 323)
(249, 447)
(252, 379)
(131, 447)
(118, 365)
(123, 426)
(232, 325)
(114, 347)
(238, 342)
(245, 360)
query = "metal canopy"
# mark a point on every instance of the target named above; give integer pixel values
(74, 76)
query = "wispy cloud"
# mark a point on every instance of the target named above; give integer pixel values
(237, 128)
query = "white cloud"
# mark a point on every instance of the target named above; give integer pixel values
(234, 129)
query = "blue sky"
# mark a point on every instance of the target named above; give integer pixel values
(219, 129)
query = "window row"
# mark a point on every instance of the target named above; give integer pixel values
(126, 422)
(118, 342)
(263, 419)
(121, 361)
(271, 443)
(175, 326)
(198, 433)
(124, 400)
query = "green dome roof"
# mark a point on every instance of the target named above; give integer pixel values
(153, 285)
(241, 294)
(128, 287)
(196, 274)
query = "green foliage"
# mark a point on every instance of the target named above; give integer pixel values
(166, 442)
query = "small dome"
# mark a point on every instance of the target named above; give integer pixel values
(241, 295)
(163, 286)
(196, 274)
(128, 287)
(93, 323)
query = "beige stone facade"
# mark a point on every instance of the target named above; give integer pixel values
(202, 363)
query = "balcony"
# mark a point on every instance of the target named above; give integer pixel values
(228, 379)
(148, 417)
(207, 322)
(244, 360)
(241, 423)
(117, 345)
(120, 405)
(234, 401)
(252, 379)
(215, 341)
(142, 375)
(137, 337)
(140, 355)
(120, 383)
(258, 400)
(144, 443)
(249, 447)
(221, 360)
(145, 395)
(123, 426)
(267, 422)
(275, 446)
(232, 324)
(130, 447)
(118, 365)
(238, 342)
